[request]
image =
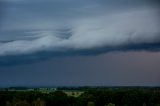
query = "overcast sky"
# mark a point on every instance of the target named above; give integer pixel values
(79, 42)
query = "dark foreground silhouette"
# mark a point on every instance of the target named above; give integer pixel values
(89, 97)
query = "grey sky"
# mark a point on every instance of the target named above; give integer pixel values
(57, 37)
(118, 68)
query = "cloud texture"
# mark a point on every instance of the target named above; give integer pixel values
(121, 29)
(135, 28)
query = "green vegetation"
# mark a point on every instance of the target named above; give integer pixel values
(110, 104)
(89, 97)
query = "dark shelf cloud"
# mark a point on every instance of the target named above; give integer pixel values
(32, 31)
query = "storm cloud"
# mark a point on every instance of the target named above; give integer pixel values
(79, 43)
(89, 27)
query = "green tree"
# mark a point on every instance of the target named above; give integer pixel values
(90, 104)
(110, 104)
(38, 102)
(22, 103)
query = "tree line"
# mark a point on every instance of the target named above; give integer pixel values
(90, 97)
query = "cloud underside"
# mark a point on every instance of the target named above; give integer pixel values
(131, 30)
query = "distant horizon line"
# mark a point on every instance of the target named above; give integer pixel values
(82, 86)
